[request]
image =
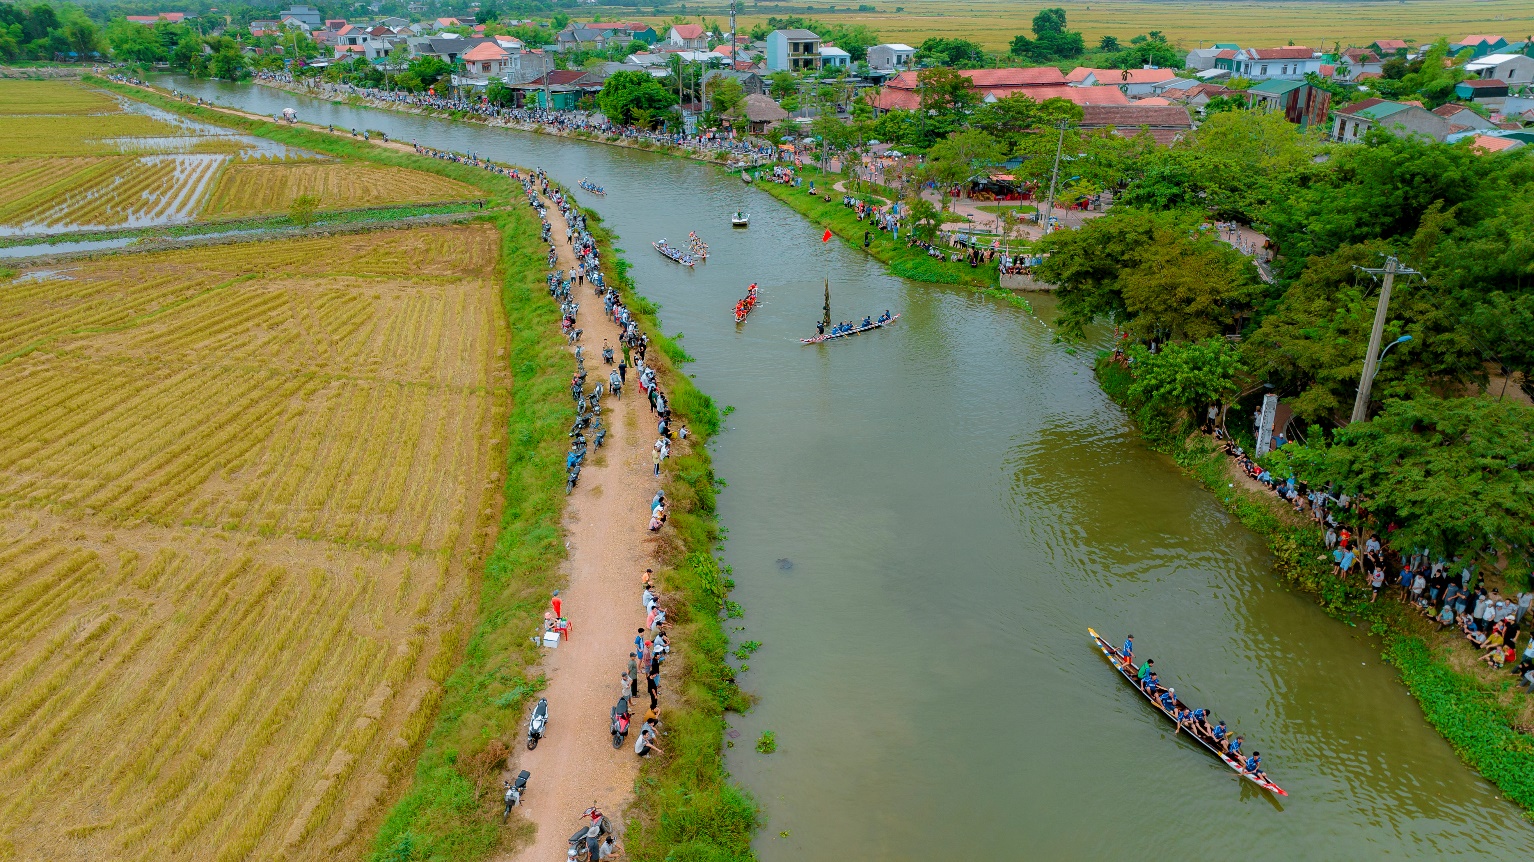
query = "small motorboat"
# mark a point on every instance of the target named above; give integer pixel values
(740, 219)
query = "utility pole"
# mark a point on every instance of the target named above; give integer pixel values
(1049, 203)
(1391, 269)
(734, 43)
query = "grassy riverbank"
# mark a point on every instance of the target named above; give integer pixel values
(904, 261)
(1474, 708)
(686, 807)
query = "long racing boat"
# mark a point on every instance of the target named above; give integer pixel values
(853, 331)
(1126, 669)
(674, 253)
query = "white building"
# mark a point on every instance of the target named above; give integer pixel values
(1291, 63)
(1512, 68)
(892, 56)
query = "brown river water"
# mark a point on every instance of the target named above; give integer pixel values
(956, 502)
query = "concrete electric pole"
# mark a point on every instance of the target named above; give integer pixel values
(1390, 270)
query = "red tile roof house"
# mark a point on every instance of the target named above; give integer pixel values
(902, 91)
(1166, 124)
(689, 37)
(486, 60)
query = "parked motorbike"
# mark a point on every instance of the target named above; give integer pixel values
(538, 722)
(514, 791)
(620, 722)
(586, 840)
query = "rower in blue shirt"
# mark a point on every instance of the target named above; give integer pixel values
(1169, 699)
(1199, 721)
(1127, 651)
(1152, 684)
(1254, 766)
(1234, 749)
(1219, 734)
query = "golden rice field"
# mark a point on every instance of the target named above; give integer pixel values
(1191, 23)
(243, 491)
(254, 189)
(52, 97)
(82, 135)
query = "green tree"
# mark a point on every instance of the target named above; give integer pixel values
(1453, 475)
(1180, 379)
(1156, 272)
(1108, 43)
(953, 160)
(301, 211)
(781, 85)
(628, 97)
(946, 93)
(958, 53)
(724, 94)
(135, 43)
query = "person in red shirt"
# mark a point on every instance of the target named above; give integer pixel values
(557, 604)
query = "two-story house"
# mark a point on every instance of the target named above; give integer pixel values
(1293, 63)
(793, 51)
(307, 14)
(891, 56)
(688, 37)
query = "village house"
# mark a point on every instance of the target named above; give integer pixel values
(1200, 59)
(151, 20)
(1355, 62)
(1351, 122)
(486, 60)
(1131, 82)
(1293, 62)
(260, 27)
(757, 112)
(891, 56)
(1039, 83)
(1486, 144)
(1300, 103)
(750, 82)
(1479, 45)
(558, 90)
(309, 15)
(1462, 119)
(1512, 68)
(832, 57)
(1387, 48)
(793, 51)
(1488, 90)
(688, 37)
(1167, 124)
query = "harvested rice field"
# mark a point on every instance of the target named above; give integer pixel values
(256, 189)
(52, 195)
(244, 492)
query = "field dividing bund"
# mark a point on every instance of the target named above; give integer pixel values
(244, 494)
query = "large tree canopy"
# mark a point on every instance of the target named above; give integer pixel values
(1452, 475)
(626, 95)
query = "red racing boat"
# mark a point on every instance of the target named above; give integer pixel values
(747, 305)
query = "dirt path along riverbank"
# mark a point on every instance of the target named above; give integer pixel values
(609, 549)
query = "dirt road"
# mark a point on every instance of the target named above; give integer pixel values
(609, 549)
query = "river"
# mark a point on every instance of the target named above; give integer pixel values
(924, 521)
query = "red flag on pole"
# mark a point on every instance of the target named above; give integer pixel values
(827, 237)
